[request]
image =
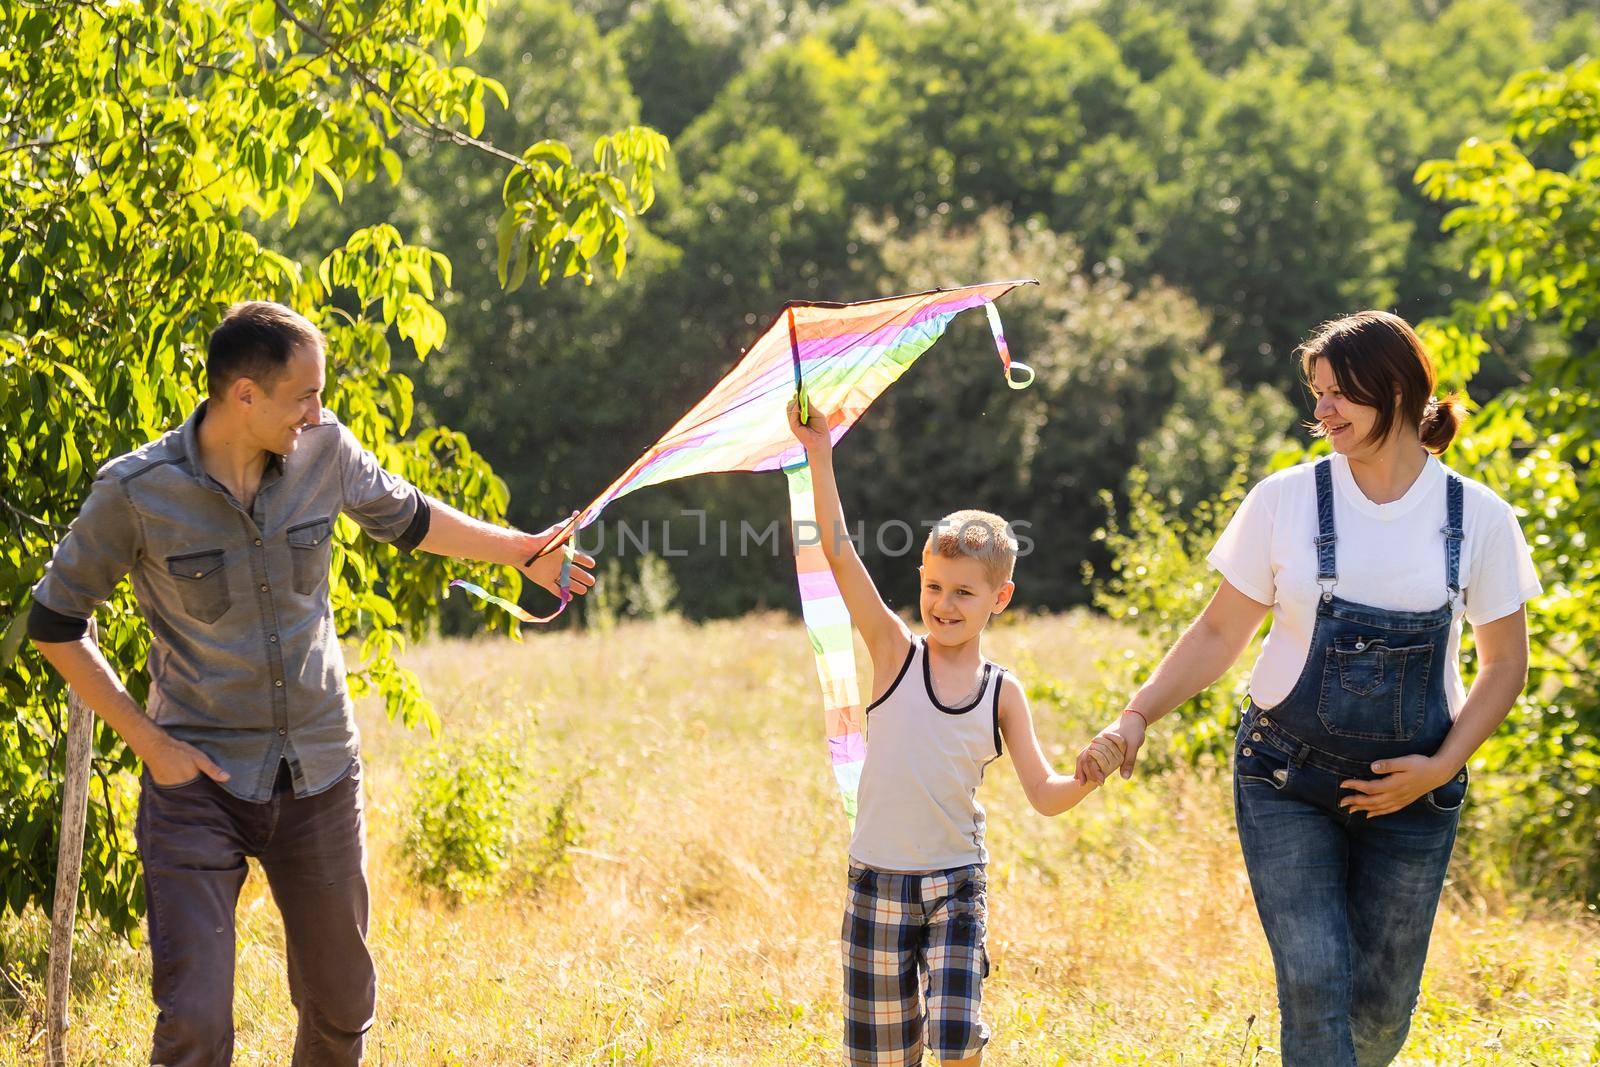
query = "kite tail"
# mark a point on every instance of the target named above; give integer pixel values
(564, 583)
(828, 627)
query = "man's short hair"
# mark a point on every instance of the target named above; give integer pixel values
(980, 535)
(255, 340)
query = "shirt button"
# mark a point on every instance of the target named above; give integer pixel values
(273, 638)
(282, 732)
(198, 573)
(263, 587)
(258, 542)
(279, 683)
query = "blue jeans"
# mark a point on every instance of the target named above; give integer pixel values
(1347, 904)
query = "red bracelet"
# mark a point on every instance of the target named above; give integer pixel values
(1135, 711)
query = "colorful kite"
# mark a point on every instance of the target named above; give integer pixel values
(840, 357)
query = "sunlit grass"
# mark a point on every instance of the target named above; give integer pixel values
(699, 922)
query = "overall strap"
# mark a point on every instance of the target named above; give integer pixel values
(1327, 571)
(1454, 532)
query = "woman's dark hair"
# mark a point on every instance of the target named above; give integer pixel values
(255, 340)
(1379, 362)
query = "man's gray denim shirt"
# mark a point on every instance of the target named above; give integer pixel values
(244, 660)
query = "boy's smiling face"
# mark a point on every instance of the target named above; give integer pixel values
(958, 598)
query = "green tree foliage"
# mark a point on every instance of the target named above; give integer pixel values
(143, 151)
(1281, 183)
(986, 107)
(675, 65)
(1527, 205)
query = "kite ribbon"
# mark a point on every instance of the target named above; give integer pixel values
(829, 630)
(1005, 350)
(563, 582)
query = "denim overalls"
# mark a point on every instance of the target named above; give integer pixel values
(1347, 903)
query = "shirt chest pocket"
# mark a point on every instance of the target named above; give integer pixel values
(202, 582)
(310, 551)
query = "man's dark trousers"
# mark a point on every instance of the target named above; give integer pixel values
(193, 841)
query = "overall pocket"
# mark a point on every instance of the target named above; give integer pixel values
(1254, 762)
(202, 583)
(1449, 798)
(310, 548)
(1374, 692)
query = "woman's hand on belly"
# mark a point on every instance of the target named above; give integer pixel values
(1403, 781)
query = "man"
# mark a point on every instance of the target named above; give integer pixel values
(249, 747)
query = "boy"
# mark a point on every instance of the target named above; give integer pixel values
(915, 919)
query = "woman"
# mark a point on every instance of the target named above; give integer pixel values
(1350, 762)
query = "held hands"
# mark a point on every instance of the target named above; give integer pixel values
(1105, 752)
(544, 566)
(1404, 780)
(813, 435)
(1127, 736)
(172, 762)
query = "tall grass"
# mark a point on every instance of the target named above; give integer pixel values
(699, 922)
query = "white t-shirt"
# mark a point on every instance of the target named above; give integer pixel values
(1389, 556)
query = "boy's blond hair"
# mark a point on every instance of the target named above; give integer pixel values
(980, 535)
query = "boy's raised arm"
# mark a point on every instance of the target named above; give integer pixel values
(885, 633)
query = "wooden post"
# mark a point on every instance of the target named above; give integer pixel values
(69, 866)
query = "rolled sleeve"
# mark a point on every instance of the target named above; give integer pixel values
(417, 531)
(99, 549)
(383, 504)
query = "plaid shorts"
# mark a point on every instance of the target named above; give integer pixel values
(914, 965)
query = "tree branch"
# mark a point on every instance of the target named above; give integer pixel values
(19, 513)
(421, 123)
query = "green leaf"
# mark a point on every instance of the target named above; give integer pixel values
(15, 632)
(264, 18)
(77, 378)
(505, 237)
(549, 150)
(331, 178)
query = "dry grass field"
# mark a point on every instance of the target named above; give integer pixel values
(698, 921)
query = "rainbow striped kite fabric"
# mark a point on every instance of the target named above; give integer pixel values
(840, 357)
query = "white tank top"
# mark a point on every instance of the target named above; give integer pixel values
(918, 804)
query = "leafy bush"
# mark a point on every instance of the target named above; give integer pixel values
(649, 592)
(480, 822)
